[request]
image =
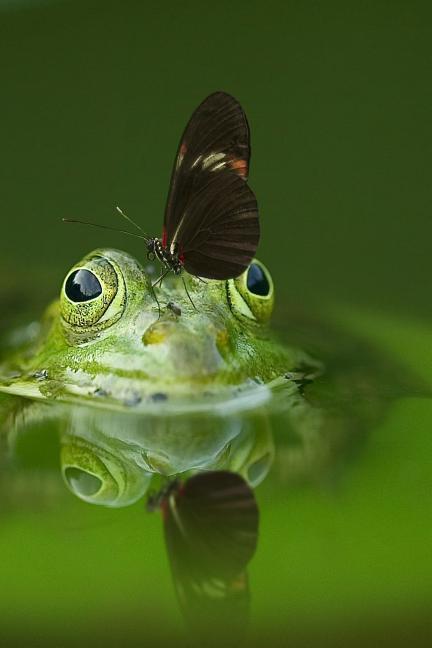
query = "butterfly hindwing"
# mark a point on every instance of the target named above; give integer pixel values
(219, 233)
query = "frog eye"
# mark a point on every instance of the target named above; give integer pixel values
(256, 280)
(251, 295)
(93, 294)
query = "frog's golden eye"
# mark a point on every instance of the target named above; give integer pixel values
(93, 294)
(251, 295)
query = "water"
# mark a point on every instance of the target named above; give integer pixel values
(339, 102)
(342, 481)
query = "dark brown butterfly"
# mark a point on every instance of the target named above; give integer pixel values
(211, 532)
(211, 226)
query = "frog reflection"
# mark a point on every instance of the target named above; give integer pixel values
(110, 459)
(210, 520)
(113, 458)
(211, 530)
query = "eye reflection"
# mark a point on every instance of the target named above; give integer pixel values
(82, 482)
(82, 285)
(257, 281)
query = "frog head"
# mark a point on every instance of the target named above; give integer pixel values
(114, 338)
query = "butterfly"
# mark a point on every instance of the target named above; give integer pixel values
(211, 532)
(211, 225)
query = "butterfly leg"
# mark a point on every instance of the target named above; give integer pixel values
(157, 302)
(161, 278)
(154, 284)
(187, 293)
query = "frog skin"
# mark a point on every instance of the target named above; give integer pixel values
(121, 349)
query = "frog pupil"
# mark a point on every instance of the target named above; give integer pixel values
(82, 285)
(257, 281)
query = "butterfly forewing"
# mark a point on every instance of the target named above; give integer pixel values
(211, 218)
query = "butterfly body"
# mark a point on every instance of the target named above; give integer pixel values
(167, 256)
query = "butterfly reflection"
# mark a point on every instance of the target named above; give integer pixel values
(211, 533)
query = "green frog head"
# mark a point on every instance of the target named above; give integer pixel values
(108, 340)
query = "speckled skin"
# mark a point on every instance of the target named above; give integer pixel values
(117, 350)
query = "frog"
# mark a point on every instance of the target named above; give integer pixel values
(114, 340)
(139, 380)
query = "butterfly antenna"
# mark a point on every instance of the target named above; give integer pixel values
(131, 221)
(107, 227)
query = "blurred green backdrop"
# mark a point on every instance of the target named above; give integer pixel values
(95, 96)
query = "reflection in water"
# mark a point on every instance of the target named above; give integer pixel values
(110, 458)
(211, 532)
(214, 459)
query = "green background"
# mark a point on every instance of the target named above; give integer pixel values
(94, 97)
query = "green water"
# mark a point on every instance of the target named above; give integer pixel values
(94, 98)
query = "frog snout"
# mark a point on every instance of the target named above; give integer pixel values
(191, 351)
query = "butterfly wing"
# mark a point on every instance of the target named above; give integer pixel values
(211, 214)
(219, 233)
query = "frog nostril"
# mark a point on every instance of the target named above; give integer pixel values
(82, 482)
(153, 336)
(158, 332)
